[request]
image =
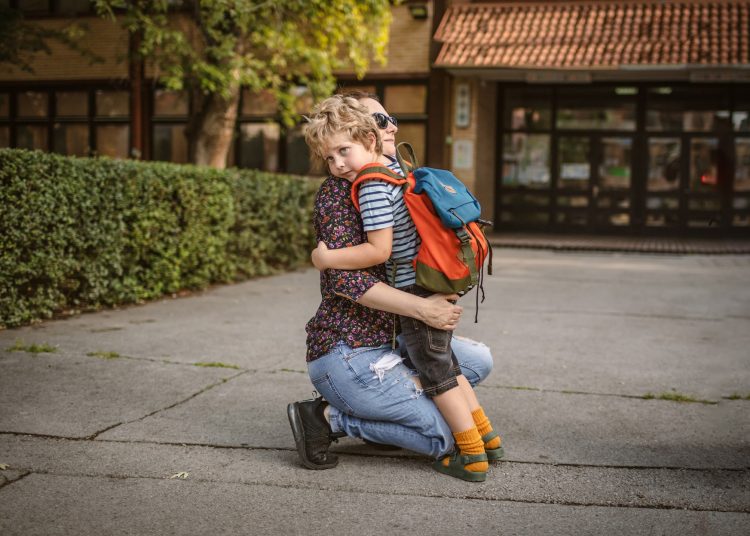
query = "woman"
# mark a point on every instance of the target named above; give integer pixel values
(372, 394)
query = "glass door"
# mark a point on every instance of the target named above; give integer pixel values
(593, 181)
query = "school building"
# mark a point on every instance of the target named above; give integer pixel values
(609, 116)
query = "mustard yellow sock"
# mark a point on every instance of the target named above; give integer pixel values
(485, 427)
(470, 442)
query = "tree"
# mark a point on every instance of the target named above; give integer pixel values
(213, 48)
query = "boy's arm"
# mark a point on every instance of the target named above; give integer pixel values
(374, 252)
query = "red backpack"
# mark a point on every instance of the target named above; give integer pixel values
(446, 215)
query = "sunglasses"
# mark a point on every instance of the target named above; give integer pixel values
(382, 120)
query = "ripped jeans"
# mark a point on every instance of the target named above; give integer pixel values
(381, 403)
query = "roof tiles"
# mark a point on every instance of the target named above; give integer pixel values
(596, 35)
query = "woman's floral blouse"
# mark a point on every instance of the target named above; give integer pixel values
(339, 318)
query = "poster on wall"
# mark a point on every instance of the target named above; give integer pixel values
(463, 154)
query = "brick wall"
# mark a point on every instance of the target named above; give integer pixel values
(104, 37)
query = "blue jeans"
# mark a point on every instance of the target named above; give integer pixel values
(381, 403)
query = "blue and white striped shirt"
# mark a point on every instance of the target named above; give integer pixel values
(382, 205)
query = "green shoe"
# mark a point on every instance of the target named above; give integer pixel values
(456, 467)
(492, 454)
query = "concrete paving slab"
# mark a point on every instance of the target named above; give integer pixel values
(249, 410)
(548, 427)
(626, 325)
(77, 396)
(715, 490)
(602, 430)
(258, 324)
(50, 505)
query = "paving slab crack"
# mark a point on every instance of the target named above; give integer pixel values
(8, 482)
(349, 489)
(404, 456)
(664, 397)
(179, 402)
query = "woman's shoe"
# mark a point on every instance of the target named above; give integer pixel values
(492, 454)
(312, 434)
(457, 466)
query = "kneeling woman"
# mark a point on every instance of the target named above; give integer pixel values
(368, 392)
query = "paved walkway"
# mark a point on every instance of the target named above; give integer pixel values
(125, 428)
(630, 244)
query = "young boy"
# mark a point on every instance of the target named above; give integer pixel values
(343, 133)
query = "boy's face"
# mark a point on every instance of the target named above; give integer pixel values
(345, 157)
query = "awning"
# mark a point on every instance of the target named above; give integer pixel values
(646, 35)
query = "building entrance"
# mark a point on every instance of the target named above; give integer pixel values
(646, 159)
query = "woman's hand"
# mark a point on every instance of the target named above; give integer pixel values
(439, 311)
(318, 256)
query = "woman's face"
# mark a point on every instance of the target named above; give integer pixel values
(388, 134)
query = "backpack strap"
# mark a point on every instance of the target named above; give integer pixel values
(374, 172)
(468, 253)
(407, 166)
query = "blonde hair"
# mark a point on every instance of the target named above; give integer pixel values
(340, 114)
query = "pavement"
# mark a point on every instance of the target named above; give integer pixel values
(119, 430)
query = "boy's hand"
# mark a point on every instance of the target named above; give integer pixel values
(319, 255)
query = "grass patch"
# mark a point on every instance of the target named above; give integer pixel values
(523, 388)
(736, 396)
(32, 348)
(104, 355)
(216, 364)
(293, 370)
(674, 396)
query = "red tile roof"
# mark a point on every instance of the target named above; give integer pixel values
(596, 35)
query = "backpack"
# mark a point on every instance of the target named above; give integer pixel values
(447, 217)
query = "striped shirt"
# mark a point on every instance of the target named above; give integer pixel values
(382, 205)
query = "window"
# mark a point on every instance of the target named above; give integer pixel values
(169, 142)
(33, 105)
(595, 108)
(405, 99)
(259, 146)
(112, 103)
(526, 160)
(742, 165)
(4, 106)
(687, 109)
(528, 109)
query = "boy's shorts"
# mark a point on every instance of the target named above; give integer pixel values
(429, 351)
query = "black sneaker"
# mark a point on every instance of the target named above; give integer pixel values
(312, 434)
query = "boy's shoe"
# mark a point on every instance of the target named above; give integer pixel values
(312, 434)
(457, 466)
(492, 454)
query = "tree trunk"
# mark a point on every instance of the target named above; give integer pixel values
(212, 128)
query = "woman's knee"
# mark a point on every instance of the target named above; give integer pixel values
(474, 358)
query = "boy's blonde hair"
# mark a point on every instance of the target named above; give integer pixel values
(338, 114)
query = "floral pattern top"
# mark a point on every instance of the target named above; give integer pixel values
(339, 317)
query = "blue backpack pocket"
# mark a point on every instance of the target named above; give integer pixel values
(453, 202)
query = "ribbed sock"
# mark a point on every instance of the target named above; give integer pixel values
(470, 442)
(485, 427)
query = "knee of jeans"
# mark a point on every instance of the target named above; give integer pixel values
(477, 366)
(442, 442)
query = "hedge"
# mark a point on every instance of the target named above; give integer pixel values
(82, 233)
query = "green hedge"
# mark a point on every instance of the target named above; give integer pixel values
(81, 233)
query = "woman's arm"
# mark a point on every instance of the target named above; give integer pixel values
(375, 251)
(436, 311)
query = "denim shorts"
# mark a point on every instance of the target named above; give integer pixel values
(429, 350)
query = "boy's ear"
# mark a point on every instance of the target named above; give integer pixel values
(373, 141)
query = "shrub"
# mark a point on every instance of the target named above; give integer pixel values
(81, 233)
